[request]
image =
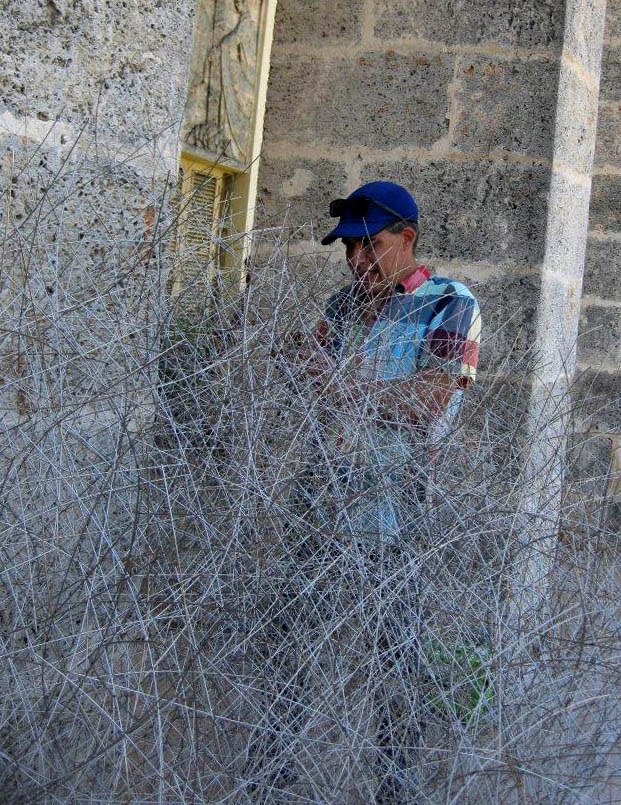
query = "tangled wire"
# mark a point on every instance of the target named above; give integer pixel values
(201, 603)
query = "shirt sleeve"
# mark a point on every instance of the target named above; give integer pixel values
(451, 343)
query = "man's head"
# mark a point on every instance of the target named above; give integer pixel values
(379, 228)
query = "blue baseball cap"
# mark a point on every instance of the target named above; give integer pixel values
(371, 208)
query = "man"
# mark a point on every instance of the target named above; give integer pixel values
(397, 348)
(403, 343)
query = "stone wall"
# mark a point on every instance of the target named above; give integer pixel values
(455, 102)
(120, 67)
(599, 353)
(92, 95)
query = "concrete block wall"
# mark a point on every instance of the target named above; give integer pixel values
(456, 102)
(599, 346)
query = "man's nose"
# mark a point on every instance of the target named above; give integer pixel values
(359, 260)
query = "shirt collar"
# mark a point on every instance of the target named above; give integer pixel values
(414, 280)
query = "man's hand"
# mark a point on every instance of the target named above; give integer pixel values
(416, 401)
(399, 403)
(306, 359)
(395, 403)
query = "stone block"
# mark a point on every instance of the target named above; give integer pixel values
(608, 142)
(475, 211)
(381, 100)
(312, 22)
(597, 400)
(605, 212)
(295, 193)
(601, 272)
(508, 313)
(125, 65)
(506, 104)
(612, 29)
(599, 338)
(387, 100)
(610, 80)
(527, 23)
(290, 115)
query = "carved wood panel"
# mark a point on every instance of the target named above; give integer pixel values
(221, 95)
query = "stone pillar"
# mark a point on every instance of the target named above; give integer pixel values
(561, 289)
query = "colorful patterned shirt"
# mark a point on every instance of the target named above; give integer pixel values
(428, 323)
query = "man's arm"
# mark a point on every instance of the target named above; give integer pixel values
(398, 403)
(415, 401)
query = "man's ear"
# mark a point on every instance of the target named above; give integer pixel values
(408, 235)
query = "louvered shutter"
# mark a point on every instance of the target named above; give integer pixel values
(201, 224)
(202, 211)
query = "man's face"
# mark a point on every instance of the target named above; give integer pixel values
(380, 261)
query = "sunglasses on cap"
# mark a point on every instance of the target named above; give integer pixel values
(358, 207)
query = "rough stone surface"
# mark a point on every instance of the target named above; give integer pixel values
(92, 95)
(123, 63)
(475, 211)
(606, 203)
(575, 132)
(299, 201)
(610, 81)
(612, 29)
(600, 335)
(608, 144)
(380, 100)
(313, 21)
(289, 115)
(508, 312)
(597, 397)
(583, 34)
(601, 273)
(114, 76)
(566, 235)
(521, 23)
(89, 255)
(505, 104)
(555, 345)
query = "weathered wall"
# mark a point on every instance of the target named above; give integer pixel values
(599, 353)
(455, 102)
(123, 67)
(92, 96)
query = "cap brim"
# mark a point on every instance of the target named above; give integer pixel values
(353, 229)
